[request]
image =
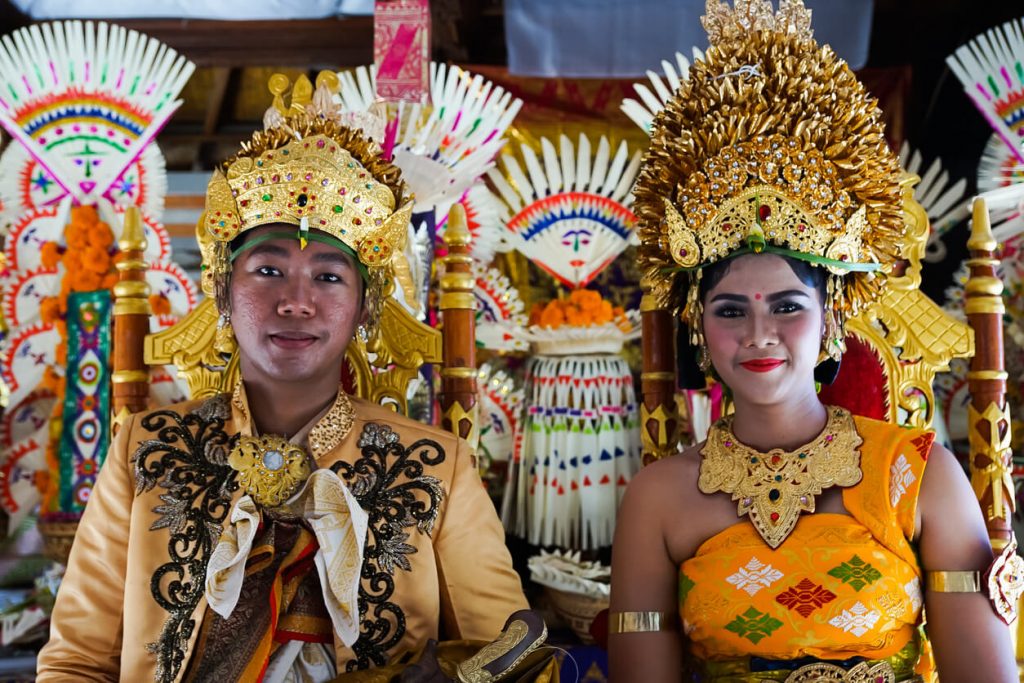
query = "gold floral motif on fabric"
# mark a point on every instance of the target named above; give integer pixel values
(333, 428)
(773, 488)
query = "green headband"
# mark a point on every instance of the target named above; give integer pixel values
(309, 236)
(813, 259)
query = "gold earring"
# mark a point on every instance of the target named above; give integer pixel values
(703, 357)
(832, 344)
(224, 341)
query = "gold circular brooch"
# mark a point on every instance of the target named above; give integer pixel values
(270, 468)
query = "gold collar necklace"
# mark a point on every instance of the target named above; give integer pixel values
(773, 488)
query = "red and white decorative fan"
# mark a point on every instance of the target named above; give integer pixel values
(568, 212)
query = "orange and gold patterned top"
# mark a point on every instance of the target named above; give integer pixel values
(839, 586)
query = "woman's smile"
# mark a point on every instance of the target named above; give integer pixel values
(762, 364)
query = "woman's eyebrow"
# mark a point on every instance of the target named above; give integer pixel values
(786, 294)
(725, 296)
(773, 297)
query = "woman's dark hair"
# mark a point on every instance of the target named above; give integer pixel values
(690, 375)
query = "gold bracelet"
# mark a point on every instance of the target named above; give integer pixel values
(640, 622)
(953, 582)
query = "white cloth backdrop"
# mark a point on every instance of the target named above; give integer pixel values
(625, 38)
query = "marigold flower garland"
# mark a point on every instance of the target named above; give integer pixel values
(583, 308)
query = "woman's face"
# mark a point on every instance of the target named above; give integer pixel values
(294, 310)
(763, 328)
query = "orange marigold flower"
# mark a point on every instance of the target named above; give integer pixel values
(100, 235)
(160, 304)
(76, 236)
(49, 309)
(552, 316)
(96, 259)
(84, 214)
(109, 280)
(86, 281)
(49, 254)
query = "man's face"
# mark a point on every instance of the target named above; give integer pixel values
(294, 310)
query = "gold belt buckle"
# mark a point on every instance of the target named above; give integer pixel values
(865, 672)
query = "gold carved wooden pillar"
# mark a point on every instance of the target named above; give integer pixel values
(659, 417)
(458, 312)
(131, 321)
(988, 414)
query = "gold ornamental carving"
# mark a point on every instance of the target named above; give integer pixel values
(990, 439)
(913, 337)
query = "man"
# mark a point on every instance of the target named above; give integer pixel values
(287, 530)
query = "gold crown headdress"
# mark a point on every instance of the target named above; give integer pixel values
(309, 171)
(770, 144)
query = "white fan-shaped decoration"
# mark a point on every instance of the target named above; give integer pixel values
(26, 185)
(568, 212)
(84, 100)
(484, 223)
(999, 166)
(501, 412)
(442, 147)
(944, 203)
(653, 99)
(1006, 211)
(500, 319)
(991, 69)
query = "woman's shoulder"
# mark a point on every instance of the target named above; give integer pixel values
(667, 488)
(676, 474)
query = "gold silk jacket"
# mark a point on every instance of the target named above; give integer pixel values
(132, 601)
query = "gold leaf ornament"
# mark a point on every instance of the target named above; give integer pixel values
(270, 468)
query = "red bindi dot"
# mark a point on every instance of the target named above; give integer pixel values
(758, 296)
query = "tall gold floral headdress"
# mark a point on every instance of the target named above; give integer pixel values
(307, 170)
(770, 145)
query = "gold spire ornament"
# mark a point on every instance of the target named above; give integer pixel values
(771, 144)
(773, 488)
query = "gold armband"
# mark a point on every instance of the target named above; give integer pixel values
(953, 582)
(641, 622)
(1003, 582)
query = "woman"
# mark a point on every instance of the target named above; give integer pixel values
(285, 531)
(796, 542)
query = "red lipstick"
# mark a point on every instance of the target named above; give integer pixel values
(762, 364)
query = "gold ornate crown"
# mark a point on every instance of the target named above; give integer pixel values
(309, 171)
(771, 144)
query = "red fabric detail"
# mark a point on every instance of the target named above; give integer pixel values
(805, 597)
(283, 636)
(860, 386)
(348, 377)
(923, 444)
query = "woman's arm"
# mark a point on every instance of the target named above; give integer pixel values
(645, 578)
(971, 643)
(86, 625)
